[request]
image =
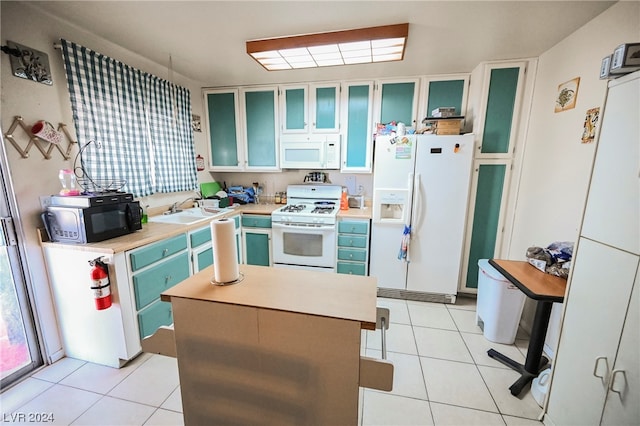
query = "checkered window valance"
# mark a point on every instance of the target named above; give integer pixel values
(140, 125)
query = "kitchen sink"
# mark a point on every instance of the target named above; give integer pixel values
(188, 216)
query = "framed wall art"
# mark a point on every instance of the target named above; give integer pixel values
(567, 95)
(590, 125)
(30, 64)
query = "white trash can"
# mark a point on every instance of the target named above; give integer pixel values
(499, 305)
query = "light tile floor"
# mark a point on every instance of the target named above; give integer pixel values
(442, 376)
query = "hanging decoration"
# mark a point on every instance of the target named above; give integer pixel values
(28, 63)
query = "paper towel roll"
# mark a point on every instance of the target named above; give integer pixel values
(225, 259)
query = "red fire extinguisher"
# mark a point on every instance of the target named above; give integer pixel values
(200, 163)
(100, 283)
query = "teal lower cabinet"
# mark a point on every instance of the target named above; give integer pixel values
(256, 239)
(353, 247)
(154, 316)
(155, 268)
(201, 251)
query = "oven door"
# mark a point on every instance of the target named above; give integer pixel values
(304, 245)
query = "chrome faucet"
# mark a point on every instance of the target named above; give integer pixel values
(174, 207)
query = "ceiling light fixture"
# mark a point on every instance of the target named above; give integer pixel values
(360, 46)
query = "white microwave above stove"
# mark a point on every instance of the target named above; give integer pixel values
(314, 152)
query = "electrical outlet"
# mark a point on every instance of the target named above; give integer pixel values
(360, 189)
(350, 183)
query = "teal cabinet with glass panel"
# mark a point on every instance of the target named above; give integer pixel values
(397, 100)
(496, 129)
(443, 91)
(357, 116)
(310, 108)
(260, 124)
(221, 122)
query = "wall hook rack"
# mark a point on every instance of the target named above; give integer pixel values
(40, 144)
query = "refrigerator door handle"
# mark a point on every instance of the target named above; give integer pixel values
(407, 206)
(416, 203)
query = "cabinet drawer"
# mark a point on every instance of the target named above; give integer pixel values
(204, 259)
(157, 251)
(256, 221)
(200, 237)
(351, 268)
(156, 315)
(352, 241)
(148, 285)
(349, 227)
(350, 254)
(236, 219)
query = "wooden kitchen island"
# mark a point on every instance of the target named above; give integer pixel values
(280, 347)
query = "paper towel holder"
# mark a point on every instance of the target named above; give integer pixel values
(236, 281)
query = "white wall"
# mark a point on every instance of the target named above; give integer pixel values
(34, 176)
(557, 166)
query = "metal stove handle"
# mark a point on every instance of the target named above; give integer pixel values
(308, 226)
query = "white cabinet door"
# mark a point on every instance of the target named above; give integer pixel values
(595, 313)
(613, 206)
(622, 406)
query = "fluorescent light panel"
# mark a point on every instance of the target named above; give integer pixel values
(365, 45)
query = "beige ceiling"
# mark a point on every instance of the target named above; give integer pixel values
(206, 39)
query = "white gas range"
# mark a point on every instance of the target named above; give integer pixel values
(304, 231)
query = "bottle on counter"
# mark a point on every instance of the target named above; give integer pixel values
(344, 200)
(278, 198)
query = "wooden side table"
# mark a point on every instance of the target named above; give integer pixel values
(545, 289)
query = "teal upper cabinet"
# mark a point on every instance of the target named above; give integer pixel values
(443, 91)
(221, 122)
(310, 108)
(295, 110)
(397, 101)
(325, 111)
(357, 101)
(259, 106)
(501, 97)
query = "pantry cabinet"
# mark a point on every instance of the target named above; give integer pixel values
(256, 239)
(357, 149)
(495, 118)
(310, 108)
(353, 247)
(596, 376)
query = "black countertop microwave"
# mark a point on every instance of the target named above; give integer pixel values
(91, 218)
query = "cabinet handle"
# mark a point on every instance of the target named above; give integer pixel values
(164, 252)
(595, 367)
(614, 374)
(167, 278)
(350, 255)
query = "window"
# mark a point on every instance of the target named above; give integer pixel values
(133, 127)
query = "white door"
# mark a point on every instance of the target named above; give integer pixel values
(613, 206)
(594, 316)
(440, 194)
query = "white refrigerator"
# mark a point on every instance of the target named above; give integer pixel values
(421, 182)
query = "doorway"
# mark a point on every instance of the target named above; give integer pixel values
(19, 344)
